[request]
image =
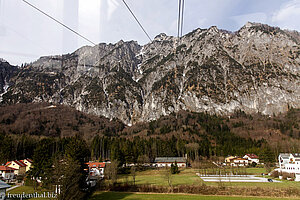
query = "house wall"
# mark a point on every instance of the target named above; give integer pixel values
(251, 159)
(7, 175)
(97, 171)
(169, 164)
(20, 171)
(297, 177)
(289, 165)
(292, 168)
(28, 165)
(14, 165)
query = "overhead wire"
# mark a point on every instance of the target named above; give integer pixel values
(182, 12)
(57, 21)
(136, 19)
(67, 27)
(179, 18)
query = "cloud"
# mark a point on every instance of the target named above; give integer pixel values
(288, 15)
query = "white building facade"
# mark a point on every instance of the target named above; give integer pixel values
(252, 158)
(7, 173)
(290, 163)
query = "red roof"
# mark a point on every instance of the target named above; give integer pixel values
(29, 160)
(96, 164)
(252, 156)
(18, 162)
(5, 168)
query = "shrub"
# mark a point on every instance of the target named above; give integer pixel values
(174, 168)
(275, 174)
(286, 175)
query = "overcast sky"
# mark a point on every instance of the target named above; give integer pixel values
(26, 34)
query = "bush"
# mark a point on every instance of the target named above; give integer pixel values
(20, 178)
(174, 168)
(286, 175)
(253, 164)
(275, 174)
(30, 182)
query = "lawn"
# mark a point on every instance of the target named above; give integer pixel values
(143, 196)
(189, 177)
(158, 177)
(256, 171)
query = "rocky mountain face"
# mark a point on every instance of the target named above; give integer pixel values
(255, 69)
(6, 72)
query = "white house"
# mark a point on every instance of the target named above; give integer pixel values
(283, 159)
(96, 168)
(28, 163)
(20, 166)
(7, 173)
(290, 163)
(168, 161)
(239, 162)
(236, 161)
(252, 158)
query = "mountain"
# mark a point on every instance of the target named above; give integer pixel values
(255, 70)
(6, 72)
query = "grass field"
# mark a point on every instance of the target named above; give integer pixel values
(158, 177)
(139, 196)
(189, 177)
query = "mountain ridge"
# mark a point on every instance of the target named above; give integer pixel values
(255, 69)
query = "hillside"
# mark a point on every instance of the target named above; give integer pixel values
(239, 131)
(42, 119)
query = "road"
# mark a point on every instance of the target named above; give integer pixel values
(11, 188)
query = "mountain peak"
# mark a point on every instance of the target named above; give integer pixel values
(251, 24)
(2, 60)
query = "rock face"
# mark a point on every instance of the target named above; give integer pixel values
(255, 69)
(6, 72)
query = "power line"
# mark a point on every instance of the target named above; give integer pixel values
(137, 20)
(70, 29)
(182, 11)
(179, 17)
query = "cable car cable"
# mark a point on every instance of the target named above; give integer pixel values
(49, 16)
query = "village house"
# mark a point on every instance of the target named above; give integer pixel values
(235, 161)
(229, 158)
(289, 163)
(252, 158)
(28, 163)
(239, 162)
(3, 187)
(19, 166)
(7, 173)
(168, 161)
(96, 168)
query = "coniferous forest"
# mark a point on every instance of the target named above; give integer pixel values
(26, 129)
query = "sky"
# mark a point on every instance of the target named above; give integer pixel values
(26, 34)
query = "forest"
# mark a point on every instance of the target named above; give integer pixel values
(25, 128)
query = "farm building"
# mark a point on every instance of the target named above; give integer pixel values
(168, 161)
